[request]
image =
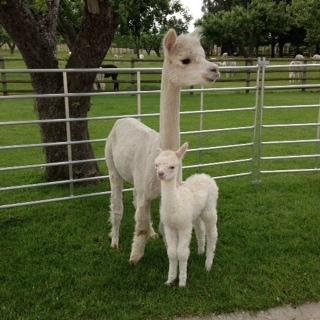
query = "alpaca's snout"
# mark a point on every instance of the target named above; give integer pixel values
(160, 174)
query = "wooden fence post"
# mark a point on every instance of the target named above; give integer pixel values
(304, 75)
(3, 78)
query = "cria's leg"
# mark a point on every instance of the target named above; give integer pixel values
(200, 231)
(116, 208)
(172, 242)
(183, 252)
(161, 230)
(210, 219)
(142, 230)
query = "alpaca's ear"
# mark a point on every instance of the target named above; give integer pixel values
(182, 150)
(170, 39)
(197, 33)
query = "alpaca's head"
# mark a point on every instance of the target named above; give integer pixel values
(168, 162)
(185, 60)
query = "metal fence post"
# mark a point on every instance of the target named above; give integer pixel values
(3, 77)
(133, 77)
(68, 129)
(139, 95)
(258, 120)
(248, 62)
(201, 122)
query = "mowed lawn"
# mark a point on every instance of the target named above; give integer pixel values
(55, 259)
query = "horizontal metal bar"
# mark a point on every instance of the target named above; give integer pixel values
(156, 114)
(302, 156)
(292, 86)
(240, 145)
(290, 66)
(114, 70)
(291, 125)
(290, 170)
(118, 93)
(290, 141)
(293, 106)
(211, 164)
(50, 184)
(96, 194)
(50, 164)
(217, 130)
(236, 175)
(49, 144)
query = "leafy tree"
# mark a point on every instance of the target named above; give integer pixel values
(5, 39)
(306, 15)
(141, 17)
(34, 25)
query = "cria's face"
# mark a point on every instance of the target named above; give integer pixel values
(188, 65)
(167, 166)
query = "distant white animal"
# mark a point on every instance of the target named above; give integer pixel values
(182, 206)
(228, 63)
(141, 56)
(296, 73)
(316, 58)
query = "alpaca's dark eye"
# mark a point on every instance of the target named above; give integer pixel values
(186, 61)
(171, 167)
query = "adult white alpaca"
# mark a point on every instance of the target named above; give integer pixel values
(193, 202)
(296, 74)
(316, 58)
(132, 147)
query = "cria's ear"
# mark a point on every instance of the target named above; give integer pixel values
(182, 150)
(170, 39)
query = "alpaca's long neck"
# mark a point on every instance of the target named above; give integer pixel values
(169, 195)
(169, 112)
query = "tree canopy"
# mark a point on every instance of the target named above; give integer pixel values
(243, 25)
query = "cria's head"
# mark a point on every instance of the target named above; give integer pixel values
(168, 162)
(186, 59)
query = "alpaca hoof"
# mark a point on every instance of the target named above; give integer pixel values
(182, 285)
(114, 244)
(134, 259)
(169, 283)
(208, 266)
(154, 236)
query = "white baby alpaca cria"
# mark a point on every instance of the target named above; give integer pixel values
(192, 203)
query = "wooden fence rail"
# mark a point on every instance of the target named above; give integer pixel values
(8, 83)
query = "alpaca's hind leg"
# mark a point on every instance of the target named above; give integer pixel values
(210, 219)
(200, 231)
(116, 208)
(152, 233)
(142, 229)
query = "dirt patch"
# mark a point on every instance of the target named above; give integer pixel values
(310, 311)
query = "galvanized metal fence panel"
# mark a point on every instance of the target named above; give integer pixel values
(257, 128)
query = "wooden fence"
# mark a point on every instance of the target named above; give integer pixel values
(19, 84)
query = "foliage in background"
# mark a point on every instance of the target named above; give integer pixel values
(242, 26)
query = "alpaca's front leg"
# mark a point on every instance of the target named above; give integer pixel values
(171, 237)
(142, 230)
(183, 253)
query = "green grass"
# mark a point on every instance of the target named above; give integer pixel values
(55, 259)
(56, 262)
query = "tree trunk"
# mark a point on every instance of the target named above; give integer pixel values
(38, 49)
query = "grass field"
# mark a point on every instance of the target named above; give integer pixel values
(55, 259)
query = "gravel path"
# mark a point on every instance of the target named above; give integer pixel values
(310, 311)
